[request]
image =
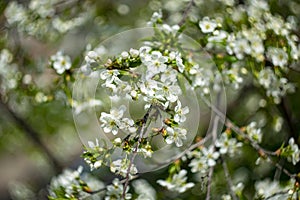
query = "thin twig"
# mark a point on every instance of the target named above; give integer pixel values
(254, 144)
(192, 147)
(186, 12)
(228, 179)
(105, 188)
(214, 133)
(276, 194)
(141, 132)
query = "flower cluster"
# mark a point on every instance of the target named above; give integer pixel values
(9, 75)
(121, 166)
(267, 188)
(276, 87)
(73, 185)
(114, 121)
(228, 145)
(291, 152)
(40, 19)
(249, 42)
(203, 159)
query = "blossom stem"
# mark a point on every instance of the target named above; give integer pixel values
(214, 133)
(228, 178)
(186, 12)
(141, 131)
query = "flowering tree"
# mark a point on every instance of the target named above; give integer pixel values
(196, 104)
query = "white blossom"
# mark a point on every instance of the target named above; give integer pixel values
(177, 183)
(155, 63)
(207, 25)
(227, 145)
(176, 135)
(295, 152)
(278, 56)
(61, 62)
(180, 112)
(112, 122)
(115, 191)
(211, 155)
(121, 166)
(254, 132)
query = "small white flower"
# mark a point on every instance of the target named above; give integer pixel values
(254, 132)
(169, 92)
(125, 55)
(109, 75)
(180, 64)
(120, 167)
(207, 25)
(112, 122)
(60, 62)
(295, 152)
(169, 76)
(180, 113)
(91, 57)
(278, 56)
(176, 135)
(241, 47)
(227, 145)
(211, 155)
(177, 183)
(144, 190)
(199, 164)
(156, 16)
(155, 63)
(134, 53)
(170, 29)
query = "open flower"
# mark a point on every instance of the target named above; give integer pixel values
(112, 122)
(176, 135)
(177, 183)
(155, 63)
(60, 62)
(180, 113)
(207, 25)
(211, 155)
(121, 166)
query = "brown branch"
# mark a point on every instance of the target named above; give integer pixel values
(186, 12)
(32, 135)
(254, 144)
(214, 133)
(141, 132)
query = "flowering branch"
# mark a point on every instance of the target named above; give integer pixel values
(214, 138)
(141, 131)
(260, 150)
